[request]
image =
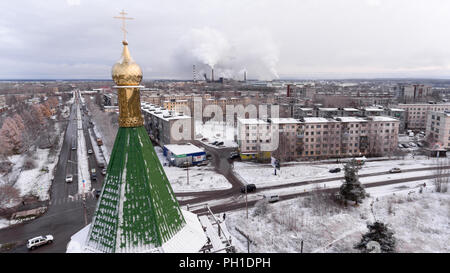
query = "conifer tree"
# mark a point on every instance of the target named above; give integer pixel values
(378, 232)
(351, 189)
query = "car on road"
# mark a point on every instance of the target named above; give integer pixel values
(103, 171)
(234, 155)
(204, 139)
(395, 170)
(335, 170)
(89, 151)
(69, 178)
(272, 198)
(97, 193)
(39, 241)
(74, 148)
(249, 187)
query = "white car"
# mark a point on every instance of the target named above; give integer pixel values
(39, 241)
(89, 151)
(272, 198)
(69, 178)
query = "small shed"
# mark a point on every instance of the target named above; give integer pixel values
(182, 154)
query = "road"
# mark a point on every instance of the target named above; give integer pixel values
(65, 215)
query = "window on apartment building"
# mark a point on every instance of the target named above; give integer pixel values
(312, 133)
(332, 126)
(306, 139)
(312, 126)
(325, 126)
(351, 125)
(317, 145)
(318, 133)
(307, 133)
(432, 116)
(312, 152)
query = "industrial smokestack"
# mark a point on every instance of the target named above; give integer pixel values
(212, 74)
(245, 76)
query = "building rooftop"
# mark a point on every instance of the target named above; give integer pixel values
(183, 149)
(317, 120)
(382, 118)
(351, 119)
(284, 120)
(252, 121)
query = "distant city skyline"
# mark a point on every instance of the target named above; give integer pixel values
(311, 39)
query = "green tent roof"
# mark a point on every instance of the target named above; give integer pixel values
(137, 210)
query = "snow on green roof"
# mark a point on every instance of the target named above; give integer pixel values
(137, 210)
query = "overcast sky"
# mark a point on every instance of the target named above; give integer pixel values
(73, 39)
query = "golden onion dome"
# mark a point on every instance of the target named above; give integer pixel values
(126, 72)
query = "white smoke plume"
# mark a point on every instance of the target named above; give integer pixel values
(253, 51)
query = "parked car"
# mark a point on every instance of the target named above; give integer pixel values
(335, 170)
(97, 193)
(39, 241)
(220, 143)
(103, 171)
(272, 198)
(404, 145)
(215, 142)
(412, 144)
(69, 178)
(234, 155)
(93, 176)
(395, 170)
(250, 188)
(204, 139)
(419, 144)
(89, 151)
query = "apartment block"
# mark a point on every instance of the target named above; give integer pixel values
(320, 137)
(417, 114)
(438, 129)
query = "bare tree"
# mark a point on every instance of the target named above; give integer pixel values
(8, 194)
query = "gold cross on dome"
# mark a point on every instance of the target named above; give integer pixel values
(123, 18)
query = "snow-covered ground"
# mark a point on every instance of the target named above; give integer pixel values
(201, 178)
(84, 178)
(263, 174)
(420, 222)
(216, 131)
(36, 181)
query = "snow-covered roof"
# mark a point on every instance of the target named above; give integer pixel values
(317, 120)
(284, 120)
(351, 119)
(397, 110)
(251, 121)
(382, 118)
(373, 109)
(328, 109)
(183, 149)
(165, 114)
(351, 109)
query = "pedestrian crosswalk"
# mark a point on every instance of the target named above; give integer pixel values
(71, 198)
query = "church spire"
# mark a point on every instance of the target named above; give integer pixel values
(137, 210)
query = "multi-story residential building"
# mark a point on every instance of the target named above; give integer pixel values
(167, 126)
(319, 137)
(417, 113)
(412, 93)
(438, 129)
(176, 105)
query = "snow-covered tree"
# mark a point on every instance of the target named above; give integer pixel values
(380, 233)
(351, 189)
